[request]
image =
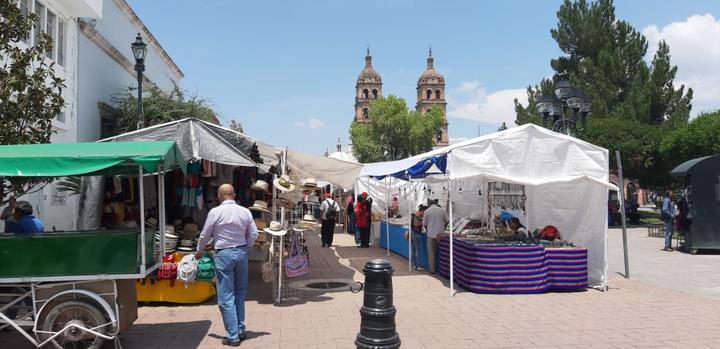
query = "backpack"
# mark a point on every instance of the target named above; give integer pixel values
(168, 270)
(549, 233)
(331, 212)
(205, 268)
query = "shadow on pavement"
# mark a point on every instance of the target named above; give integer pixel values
(181, 334)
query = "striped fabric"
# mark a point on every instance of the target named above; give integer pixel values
(496, 268)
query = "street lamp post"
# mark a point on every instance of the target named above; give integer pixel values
(566, 96)
(139, 49)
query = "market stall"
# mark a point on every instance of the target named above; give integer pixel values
(86, 276)
(550, 180)
(700, 202)
(215, 156)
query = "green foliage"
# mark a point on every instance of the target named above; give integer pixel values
(633, 103)
(235, 126)
(502, 127)
(394, 132)
(699, 138)
(70, 185)
(159, 108)
(30, 93)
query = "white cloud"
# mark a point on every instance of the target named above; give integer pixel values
(695, 49)
(472, 102)
(312, 123)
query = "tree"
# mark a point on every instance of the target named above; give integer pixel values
(604, 57)
(159, 108)
(235, 126)
(30, 92)
(394, 132)
(502, 127)
(701, 137)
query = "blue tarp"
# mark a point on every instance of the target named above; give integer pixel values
(421, 168)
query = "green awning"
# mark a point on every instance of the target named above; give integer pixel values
(84, 159)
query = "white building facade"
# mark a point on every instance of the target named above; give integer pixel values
(92, 54)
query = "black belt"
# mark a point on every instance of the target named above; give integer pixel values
(230, 248)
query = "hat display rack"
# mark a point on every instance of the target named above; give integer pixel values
(287, 210)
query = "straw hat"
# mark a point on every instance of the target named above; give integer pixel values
(275, 229)
(309, 183)
(260, 185)
(259, 205)
(283, 183)
(283, 202)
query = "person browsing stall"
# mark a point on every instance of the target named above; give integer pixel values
(416, 236)
(26, 223)
(329, 210)
(233, 229)
(8, 215)
(434, 220)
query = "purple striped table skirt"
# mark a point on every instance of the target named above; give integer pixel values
(494, 268)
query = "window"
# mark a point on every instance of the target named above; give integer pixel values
(375, 94)
(437, 94)
(365, 93)
(61, 116)
(25, 10)
(50, 29)
(61, 43)
(39, 26)
(428, 93)
(365, 113)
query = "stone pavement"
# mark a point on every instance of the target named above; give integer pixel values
(632, 313)
(692, 274)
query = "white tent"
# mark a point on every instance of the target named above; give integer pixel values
(566, 182)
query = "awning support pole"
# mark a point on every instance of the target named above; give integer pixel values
(450, 208)
(410, 226)
(621, 190)
(142, 221)
(387, 213)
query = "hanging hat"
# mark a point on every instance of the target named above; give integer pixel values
(283, 183)
(309, 183)
(260, 185)
(275, 228)
(259, 205)
(190, 229)
(186, 243)
(283, 202)
(260, 223)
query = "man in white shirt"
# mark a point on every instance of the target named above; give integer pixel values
(434, 220)
(329, 211)
(233, 229)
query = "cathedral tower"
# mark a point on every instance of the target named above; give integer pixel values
(367, 89)
(430, 92)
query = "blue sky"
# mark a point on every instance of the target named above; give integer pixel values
(287, 69)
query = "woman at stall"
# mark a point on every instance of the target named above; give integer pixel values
(416, 236)
(517, 230)
(362, 219)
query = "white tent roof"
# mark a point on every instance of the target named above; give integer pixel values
(525, 154)
(341, 155)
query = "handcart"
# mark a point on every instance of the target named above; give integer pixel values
(77, 289)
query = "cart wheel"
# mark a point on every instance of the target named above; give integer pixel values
(79, 313)
(693, 251)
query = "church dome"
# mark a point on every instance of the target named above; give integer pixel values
(368, 74)
(430, 75)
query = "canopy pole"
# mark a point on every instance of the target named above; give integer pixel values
(387, 213)
(410, 226)
(450, 208)
(283, 169)
(622, 212)
(161, 210)
(142, 221)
